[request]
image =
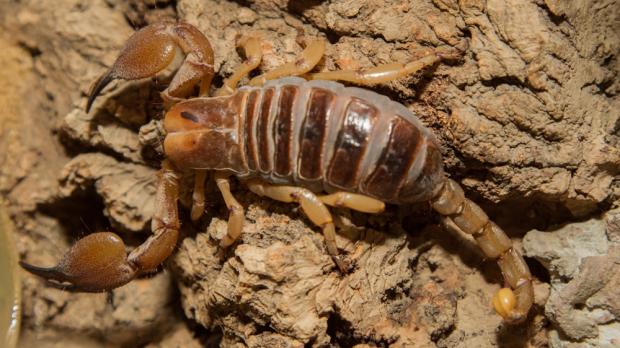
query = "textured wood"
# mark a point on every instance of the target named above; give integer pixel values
(526, 122)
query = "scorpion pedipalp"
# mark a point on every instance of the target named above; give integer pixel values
(99, 262)
(151, 49)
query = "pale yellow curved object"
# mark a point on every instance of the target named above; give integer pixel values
(10, 290)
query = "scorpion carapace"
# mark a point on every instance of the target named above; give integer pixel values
(316, 143)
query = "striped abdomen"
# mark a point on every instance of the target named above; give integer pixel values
(326, 137)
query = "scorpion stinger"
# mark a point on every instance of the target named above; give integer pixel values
(151, 49)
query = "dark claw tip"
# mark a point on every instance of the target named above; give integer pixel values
(51, 276)
(98, 86)
(49, 273)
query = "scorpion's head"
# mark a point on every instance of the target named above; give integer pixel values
(187, 124)
(203, 133)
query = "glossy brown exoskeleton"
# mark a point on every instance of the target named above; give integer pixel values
(310, 141)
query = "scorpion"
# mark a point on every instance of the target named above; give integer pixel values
(293, 136)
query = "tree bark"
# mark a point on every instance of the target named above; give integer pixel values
(529, 121)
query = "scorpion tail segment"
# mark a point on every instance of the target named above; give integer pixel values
(97, 262)
(513, 303)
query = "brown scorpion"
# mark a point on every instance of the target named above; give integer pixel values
(310, 141)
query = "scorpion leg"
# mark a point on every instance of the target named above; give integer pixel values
(235, 221)
(198, 195)
(353, 201)
(511, 303)
(386, 72)
(253, 54)
(308, 59)
(151, 49)
(312, 206)
(99, 262)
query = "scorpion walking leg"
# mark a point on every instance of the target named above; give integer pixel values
(312, 206)
(235, 221)
(511, 303)
(253, 54)
(151, 49)
(308, 59)
(353, 201)
(198, 196)
(99, 262)
(384, 73)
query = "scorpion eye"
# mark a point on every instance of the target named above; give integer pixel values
(189, 116)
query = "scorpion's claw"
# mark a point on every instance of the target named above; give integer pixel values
(97, 262)
(151, 49)
(147, 52)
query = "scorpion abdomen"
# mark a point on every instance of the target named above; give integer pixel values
(328, 137)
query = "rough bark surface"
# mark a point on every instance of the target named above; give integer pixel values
(583, 260)
(529, 121)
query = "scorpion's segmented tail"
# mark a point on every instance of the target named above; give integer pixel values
(459, 212)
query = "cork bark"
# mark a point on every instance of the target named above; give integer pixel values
(528, 121)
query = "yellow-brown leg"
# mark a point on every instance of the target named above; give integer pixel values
(198, 196)
(235, 220)
(253, 55)
(312, 206)
(353, 201)
(512, 303)
(384, 73)
(307, 60)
